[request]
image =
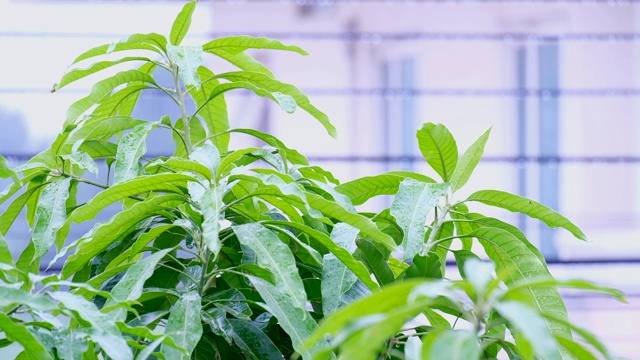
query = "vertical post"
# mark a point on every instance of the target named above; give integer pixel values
(521, 84)
(549, 127)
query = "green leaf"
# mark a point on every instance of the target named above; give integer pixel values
(6, 172)
(77, 74)
(207, 155)
(177, 165)
(292, 155)
(138, 185)
(213, 112)
(341, 253)
(514, 259)
(461, 258)
(103, 235)
(337, 279)
(130, 149)
(365, 188)
(439, 149)
(51, 213)
(13, 210)
(468, 162)
(237, 44)
(99, 149)
(516, 203)
(451, 344)
(103, 329)
(273, 255)
(82, 160)
(242, 60)
(294, 320)
(413, 348)
(5, 252)
(131, 285)
(365, 225)
(532, 326)
(184, 326)
(11, 296)
(571, 283)
(286, 102)
(425, 267)
(274, 86)
(231, 301)
(578, 350)
(210, 203)
(589, 337)
(154, 42)
(103, 88)
(70, 343)
(182, 23)
(101, 128)
(188, 59)
(33, 349)
(146, 333)
(121, 102)
(410, 207)
(376, 261)
(253, 342)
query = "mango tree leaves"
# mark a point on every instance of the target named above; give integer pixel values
(6, 172)
(82, 160)
(103, 88)
(207, 155)
(10, 296)
(468, 162)
(188, 59)
(77, 74)
(438, 148)
(286, 102)
(274, 86)
(410, 208)
(253, 342)
(182, 23)
(516, 203)
(51, 215)
(33, 349)
(210, 204)
(451, 344)
(365, 188)
(212, 111)
(240, 43)
(184, 326)
(152, 41)
(104, 331)
(337, 279)
(273, 255)
(130, 287)
(131, 147)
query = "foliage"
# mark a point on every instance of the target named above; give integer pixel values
(228, 254)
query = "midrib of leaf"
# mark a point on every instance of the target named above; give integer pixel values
(442, 162)
(285, 280)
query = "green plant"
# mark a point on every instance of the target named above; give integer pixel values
(229, 254)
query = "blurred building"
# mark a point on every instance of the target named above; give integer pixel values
(558, 82)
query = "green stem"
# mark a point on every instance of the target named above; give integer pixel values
(440, 218)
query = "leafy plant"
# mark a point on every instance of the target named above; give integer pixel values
(226, 254)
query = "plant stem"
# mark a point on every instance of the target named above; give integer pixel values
(440, 218)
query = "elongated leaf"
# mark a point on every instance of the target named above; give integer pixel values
(182, 23)
(188, 59)
(33, 349)
(365, 225)
(146, 333)
(6, 172)
(273, 255)
(274, 86)
(242, 60)
(571, 284)
(138, 185)
(177, 165)
(589, 337)
(214, 111)
(425, 267)
(103, 329)
(103, 235)
(77, 74)
(376, 261)
(101, 128)
(13, 210)
(210, 203)
(70, 343)
(438, 148)
(231, 301)
(286, 102)
(337, 279)
(253, 341)
(578, 350)
(131, 147)
(10, 296)
(207, 155)
(468, 162)
(122, 101)
(82, 160)
(236, 44)
(413, 348)
(451, 344)
(103, 88)
(410, 207)
(184, 326)
(5, 252)
(292, 155)
(295, 321)
(99, 149)
(341, 253)
(532, 326)
(513, 257)
(51, 213)
(516, 203)
(365, 188)
(154, 42)
(131, 285)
